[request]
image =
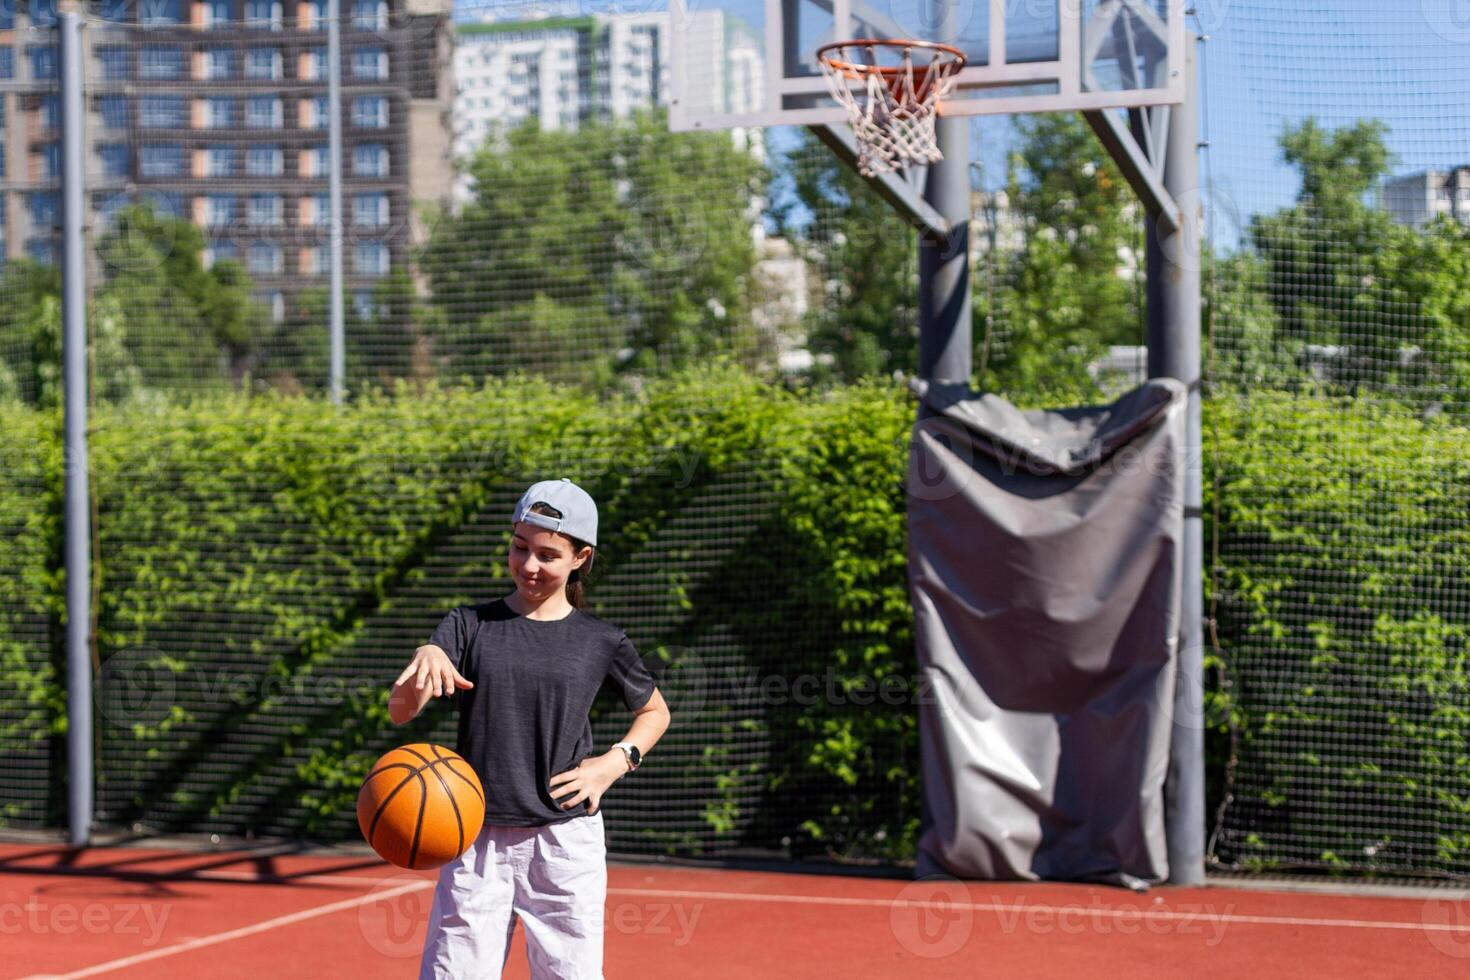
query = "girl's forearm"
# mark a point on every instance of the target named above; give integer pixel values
(649, 724)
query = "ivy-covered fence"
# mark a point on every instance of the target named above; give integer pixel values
(266, 565)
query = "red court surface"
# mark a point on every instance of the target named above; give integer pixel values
(143, 913)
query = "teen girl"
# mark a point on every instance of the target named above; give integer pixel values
(525, 670)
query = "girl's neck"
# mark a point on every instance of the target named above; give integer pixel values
(553, 608)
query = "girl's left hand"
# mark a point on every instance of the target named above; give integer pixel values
(589, 780)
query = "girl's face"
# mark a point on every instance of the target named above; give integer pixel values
(541, 561)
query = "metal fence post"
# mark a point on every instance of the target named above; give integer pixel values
(78, 527)
(338, 367)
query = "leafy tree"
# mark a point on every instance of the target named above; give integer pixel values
(867, 321)
(1391, 301)
(617, 246)
(1067, 292)
(157, 320)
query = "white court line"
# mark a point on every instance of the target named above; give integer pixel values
(1018, 908)
(221, 937)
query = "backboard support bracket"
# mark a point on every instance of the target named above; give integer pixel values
(903, 195)
(1143, 170)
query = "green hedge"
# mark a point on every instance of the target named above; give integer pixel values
(266, 565)
(1344, 599)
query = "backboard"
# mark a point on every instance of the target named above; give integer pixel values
(752, 62)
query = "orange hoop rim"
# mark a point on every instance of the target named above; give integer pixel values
(854, 70)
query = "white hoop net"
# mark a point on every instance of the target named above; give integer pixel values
(892, 112)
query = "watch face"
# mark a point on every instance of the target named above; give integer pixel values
(635, 755)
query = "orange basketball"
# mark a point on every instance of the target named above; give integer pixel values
(421, 806)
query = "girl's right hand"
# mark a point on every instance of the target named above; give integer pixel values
(432, 673)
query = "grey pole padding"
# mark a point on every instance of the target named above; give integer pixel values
(337, 330)
(1044, 565)
(78, 529)
(1173, 284)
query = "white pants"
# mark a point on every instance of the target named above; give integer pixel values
(553, 878)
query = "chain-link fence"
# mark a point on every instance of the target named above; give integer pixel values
(538, 278)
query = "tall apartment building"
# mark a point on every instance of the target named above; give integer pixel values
(567, 70)
(216, 110)
(1417, 199)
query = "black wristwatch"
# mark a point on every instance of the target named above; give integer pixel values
(635, 758)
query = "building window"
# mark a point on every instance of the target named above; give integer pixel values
(114, 111)
(219, 161)
(364, 304)
(113, 63)
(370, 112)
(43, 61)
(217, 13)
(216, 64)
(157, 62)
(265, 210)
(263, 63)
(155, 12)
(219, 210)
(370, 210)
(161, 112)
(317, 162)
(264, 161)
(164, 202)
(370, 160)
(370, 15)
(273, 302)
(264, 260)
(114, 157)
(45, 210)
(370, 63)
(220, 252)
(51, 113)
(263, 14)
(370, 259)
(219, 113)
(263, 112)
(7, 62)
(314, 15)
(316, 210)
(42, 251)
(314, 64)
(160, 160)
(43, 13)
(51, 161)
(311, 261)
(314, 113)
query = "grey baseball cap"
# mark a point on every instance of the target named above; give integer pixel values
(578, 512)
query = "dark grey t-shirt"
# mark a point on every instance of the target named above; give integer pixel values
(526, 719)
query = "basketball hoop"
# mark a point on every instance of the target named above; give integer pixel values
(892, 112)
